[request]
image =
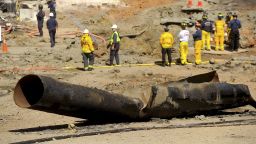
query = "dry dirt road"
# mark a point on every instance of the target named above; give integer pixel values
(237, 126)
(32, 55)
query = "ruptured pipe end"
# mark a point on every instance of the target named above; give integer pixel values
(28, 91)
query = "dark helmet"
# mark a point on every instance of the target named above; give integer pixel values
(183, 24)
(205, 16)
(234, 15)
(166, 29)
(40, 6)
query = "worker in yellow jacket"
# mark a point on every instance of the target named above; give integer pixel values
(87, 50)
(166, 41)
(219, 33)
(229, 17)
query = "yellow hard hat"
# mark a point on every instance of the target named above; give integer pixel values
(220, 16)
(183, 24)
(205, 16)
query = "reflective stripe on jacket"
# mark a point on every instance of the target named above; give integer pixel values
(166, 40)
(115, 38)
(87, 44)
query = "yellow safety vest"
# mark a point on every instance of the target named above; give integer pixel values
(166, 40)
(112, 37)
(87, 43)
(219, 26)
(229, 29)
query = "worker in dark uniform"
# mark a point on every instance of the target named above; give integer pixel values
(40, 19)
(234, 25)
(52, 25)
(52, 7)
(114, 45)
(207, 29)
(197, 43)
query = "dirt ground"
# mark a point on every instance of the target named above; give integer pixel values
(33, 55)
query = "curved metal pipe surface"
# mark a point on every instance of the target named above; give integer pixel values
(197, 94)
(46, 94)
(182, 98)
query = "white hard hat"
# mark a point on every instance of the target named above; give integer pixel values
(8, 24)
(86, 31)
(51, 14)
(114, 26)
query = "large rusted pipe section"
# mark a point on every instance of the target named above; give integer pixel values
(181, 98)
(193, 95)
(46, 94)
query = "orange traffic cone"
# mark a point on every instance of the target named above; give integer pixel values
(200, 3)
(4, 47)
(190, 3)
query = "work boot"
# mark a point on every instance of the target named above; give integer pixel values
(197, 63)
(90, 69)
(185, 63)
(170, 64)
(85, 68)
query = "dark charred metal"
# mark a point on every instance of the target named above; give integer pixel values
(193, 95)
(46, 94)
(181, 98)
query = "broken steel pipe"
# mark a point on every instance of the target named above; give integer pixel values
(182, 98)
(200, 93)
(46, 94)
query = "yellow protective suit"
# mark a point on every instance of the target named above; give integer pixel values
(229, 29)
(219, 34)
(166, 40)
(198, 45)
(183, 52)
(87, 44)
(206, 40)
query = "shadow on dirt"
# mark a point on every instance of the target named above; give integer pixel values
(80, 124)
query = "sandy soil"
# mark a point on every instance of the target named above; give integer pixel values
(32, 55)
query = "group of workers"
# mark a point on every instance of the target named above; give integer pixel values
(51, 23)
(202, 38)
(88, 48)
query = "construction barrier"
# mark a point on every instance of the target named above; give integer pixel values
(199, 3)
(190, 3)
(4, 46)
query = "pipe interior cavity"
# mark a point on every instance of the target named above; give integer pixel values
(30, 91)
